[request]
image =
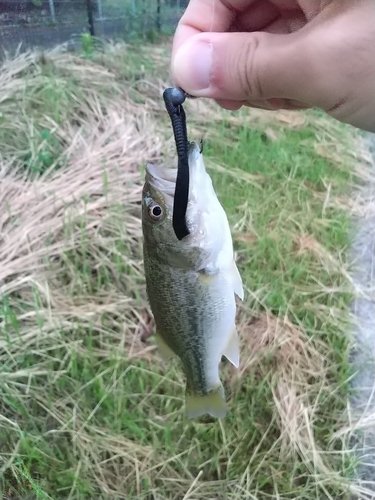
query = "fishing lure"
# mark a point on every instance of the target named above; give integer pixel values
(174, 97)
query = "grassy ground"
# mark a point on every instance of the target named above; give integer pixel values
(87, 409)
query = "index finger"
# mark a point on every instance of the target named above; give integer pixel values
(207, 16)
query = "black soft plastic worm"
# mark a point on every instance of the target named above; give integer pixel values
(174, 98)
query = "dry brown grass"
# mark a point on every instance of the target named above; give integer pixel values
(93, 204)
(44, 216)
(297, 363)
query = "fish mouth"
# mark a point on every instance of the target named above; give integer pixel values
(163, 180)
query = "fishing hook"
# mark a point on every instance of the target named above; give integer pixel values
(174, 97)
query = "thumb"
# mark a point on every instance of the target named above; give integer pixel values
(246, 67)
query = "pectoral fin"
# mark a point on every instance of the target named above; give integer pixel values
(232, 349)
(237, 281)
(165, 351)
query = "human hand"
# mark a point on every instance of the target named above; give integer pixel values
(280, 54)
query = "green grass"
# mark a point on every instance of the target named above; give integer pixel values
(87, 409)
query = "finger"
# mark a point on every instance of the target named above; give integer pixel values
(270, 105)
(256, 18)
(236, 105)
(230, 105)
(209, 16)
(245, 66)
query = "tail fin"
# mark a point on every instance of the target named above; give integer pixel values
(212, 403)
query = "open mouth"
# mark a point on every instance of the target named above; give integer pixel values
(162, 179)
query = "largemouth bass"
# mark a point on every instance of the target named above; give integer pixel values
(191, 283)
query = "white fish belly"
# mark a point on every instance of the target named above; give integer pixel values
(218, 331)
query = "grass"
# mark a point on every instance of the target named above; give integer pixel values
(87, 408)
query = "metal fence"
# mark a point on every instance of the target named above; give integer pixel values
(46, 23)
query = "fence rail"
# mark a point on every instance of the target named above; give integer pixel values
(46, 23)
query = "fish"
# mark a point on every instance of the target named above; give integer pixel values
(192, 283)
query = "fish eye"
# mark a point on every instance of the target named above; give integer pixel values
(155, 211)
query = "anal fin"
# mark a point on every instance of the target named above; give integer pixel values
(232, 349)
(237, 281)
(165, 351)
